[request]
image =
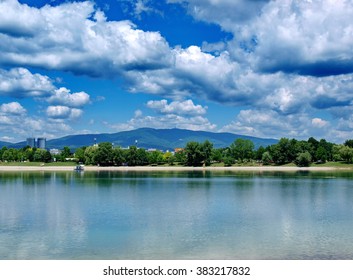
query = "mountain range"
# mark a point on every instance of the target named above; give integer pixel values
(162, 139)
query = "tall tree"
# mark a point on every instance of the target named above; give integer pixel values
(349, 143)
(90, 153)
(242, 149)
(132, 157)
(194, 155)
(118, 156)
(104, 154)
(207, 148)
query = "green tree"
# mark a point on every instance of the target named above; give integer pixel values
(47, 157)
(180, 157)
(346, 153)
(327, 146)
(155, 157)
(40, 155)
(90, 154)
(142, 157)
(169, 158)
(104, 154)
(281, 152)
(303, 159)
(228, 160)
(217, 155)
(336, 153)
(3, 149)
(194, 156)
(259, 153)
(118, 156)
(80, 154)
(10, 155)
(266, 158)
(349, 143)
(242, 149)
(206, 150)
(313, 146)
(321, 154)
(136, 157)
(65, 153)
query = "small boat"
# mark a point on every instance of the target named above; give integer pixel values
(79, 167)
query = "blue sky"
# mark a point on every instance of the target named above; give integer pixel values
(257, 67)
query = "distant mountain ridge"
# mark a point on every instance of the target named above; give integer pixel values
(5, 144)
(150, 138)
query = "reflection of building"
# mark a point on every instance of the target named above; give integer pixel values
(31, 142)
(41, 143)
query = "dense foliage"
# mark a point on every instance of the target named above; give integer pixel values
(241, 151)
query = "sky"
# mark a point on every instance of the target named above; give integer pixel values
(261, 68)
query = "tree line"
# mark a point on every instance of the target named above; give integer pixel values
(241, 151)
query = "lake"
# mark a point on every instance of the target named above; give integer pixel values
(176, 215)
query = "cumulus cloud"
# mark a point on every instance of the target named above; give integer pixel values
(317, 122)
(13, 108)
(310, 37)
(165, 121)
(63, 112)
(287, 60)
(20, 83)
(183, 115)
(195, 73)
(186, 107)
(304, 37)
(63, 96)
(15, 121)
(75, 37)
(271, 124)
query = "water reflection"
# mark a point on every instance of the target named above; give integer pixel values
(176, 215)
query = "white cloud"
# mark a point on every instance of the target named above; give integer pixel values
(19, 127)
(63, 112)
(63, 96)
(271, 124)
(5, 120)
(165, 121)
(67, 38)
(319, 123)
(288, 60)
(13, 108)
(186, 107)
(144, 6)
(309, 37)
(306, 37)
(20, 82)
(7, 138)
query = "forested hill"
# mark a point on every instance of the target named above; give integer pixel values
(5, 144)
(163, 139)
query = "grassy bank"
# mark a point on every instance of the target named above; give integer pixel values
(39, 164)
(338, 165)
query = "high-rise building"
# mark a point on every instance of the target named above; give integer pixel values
(41, 143)
(31, 142)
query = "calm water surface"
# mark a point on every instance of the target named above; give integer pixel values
(176, 215)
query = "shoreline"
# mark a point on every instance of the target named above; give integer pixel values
(170, 168)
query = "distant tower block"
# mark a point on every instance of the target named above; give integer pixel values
(41, 143)
(31, 142)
